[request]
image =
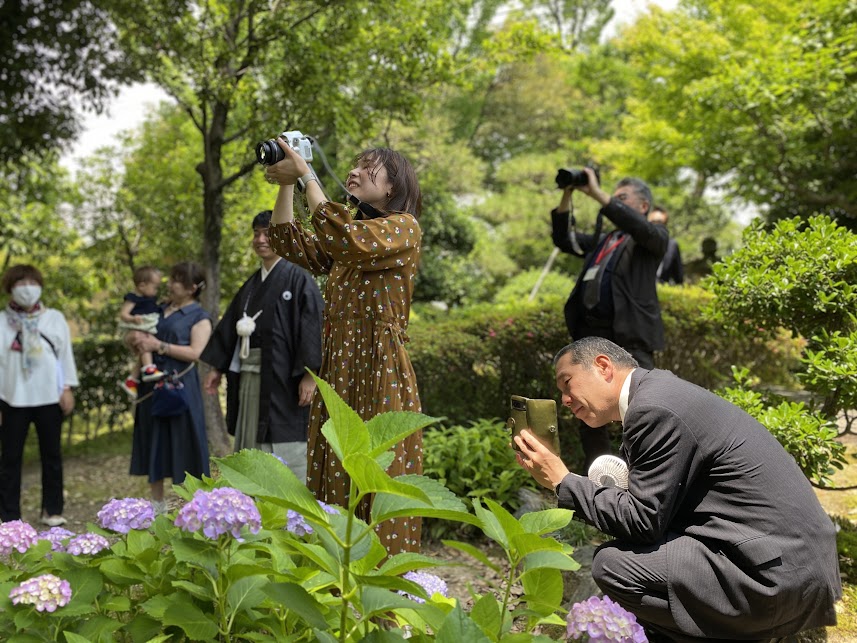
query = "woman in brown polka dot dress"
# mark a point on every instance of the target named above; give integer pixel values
(371, 260)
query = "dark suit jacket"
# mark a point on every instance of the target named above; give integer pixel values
(749, 548)
(671, 271)
(637, 314)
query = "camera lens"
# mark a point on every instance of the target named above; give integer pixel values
(566, 178)
(268, 152)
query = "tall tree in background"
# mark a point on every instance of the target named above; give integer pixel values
(55, 55)
(244, 71)
(759, 98)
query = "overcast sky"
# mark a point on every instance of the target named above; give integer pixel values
(130, 107)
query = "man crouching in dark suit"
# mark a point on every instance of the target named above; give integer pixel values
(719, 535)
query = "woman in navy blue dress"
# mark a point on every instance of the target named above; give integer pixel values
(174, 446)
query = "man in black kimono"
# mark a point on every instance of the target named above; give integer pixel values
(268, 337)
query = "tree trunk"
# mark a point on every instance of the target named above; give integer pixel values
(212, 179)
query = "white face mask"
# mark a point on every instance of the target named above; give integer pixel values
(27, 296)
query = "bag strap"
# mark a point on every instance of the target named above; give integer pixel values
(174, 377)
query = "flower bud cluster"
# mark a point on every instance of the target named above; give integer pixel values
(16, 535)
(126, 514)
(46, 593)
(429, 582)
(604, 621)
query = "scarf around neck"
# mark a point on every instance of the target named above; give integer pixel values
(27, 340)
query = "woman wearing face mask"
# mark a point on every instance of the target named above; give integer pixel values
(370, 253)
(37, 372)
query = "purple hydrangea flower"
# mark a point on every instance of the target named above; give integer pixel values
(16, 535)
(296, 523)
(281, 459)
(87, 544)
(220, 511)
(604, 621)
(56, 535)
(429, 582)
(126, 514)
(46, 593)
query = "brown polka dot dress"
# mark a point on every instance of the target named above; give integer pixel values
(371, 265)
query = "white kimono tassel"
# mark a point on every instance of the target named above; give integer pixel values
(245, 327)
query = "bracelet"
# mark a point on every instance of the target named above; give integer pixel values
(306, 178)
(162, 349)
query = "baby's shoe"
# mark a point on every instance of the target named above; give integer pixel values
(152, 374)
(130, 387)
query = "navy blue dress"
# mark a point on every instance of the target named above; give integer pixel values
(171, 447)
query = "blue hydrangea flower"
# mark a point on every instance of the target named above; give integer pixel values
(296, 523)
(603, 621)
(220, 511)
(87, 544)
(281, 459)
(56, 536)
(46, 593)
(16, 535)
(429, 582)
(126, 514)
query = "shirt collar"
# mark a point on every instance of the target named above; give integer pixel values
(265, 272)
(624, 394)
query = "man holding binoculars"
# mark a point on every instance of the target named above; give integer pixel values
(615, 296)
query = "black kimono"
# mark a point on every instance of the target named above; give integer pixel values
(288, 332)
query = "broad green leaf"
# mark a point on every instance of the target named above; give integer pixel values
(551, 560)
(344, 430)
(371, 478)
(156, 606)
(458, 627)
(85, 586)
(387, 429)
(203, 591)
(507, 521)
(442, 503)
(71, 637)
(384, 636)
(117, 603)
(261, 475)
(298, 600)
(360, 538)
(546, 521)
(197, 553)
(318, 555)
(491, 525)
(408, 561)
(99, 628)
(120, 572)
(487, 614)
(543, 590)
(246, 593)
(376, 600)
(183, 613)
(527, 543)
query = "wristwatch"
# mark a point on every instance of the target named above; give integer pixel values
(306, 178)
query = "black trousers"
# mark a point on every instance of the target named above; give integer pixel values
(596, 440)
(636, 578)
(13, 435)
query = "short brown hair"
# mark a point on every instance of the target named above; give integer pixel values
(21, 271)
(145, 274)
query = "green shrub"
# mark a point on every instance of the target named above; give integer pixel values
(846, 545)
(469, 362)
(280, 566)
(474, 462)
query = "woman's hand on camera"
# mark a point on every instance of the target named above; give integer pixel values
(290, 169)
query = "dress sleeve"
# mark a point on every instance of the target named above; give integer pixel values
(367, 244)
(296, 244)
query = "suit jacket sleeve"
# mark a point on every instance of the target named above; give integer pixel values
(651, 236)
(661, 455)
(561, 238)
(221, 346)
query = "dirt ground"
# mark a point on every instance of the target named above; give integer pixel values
(92, 480)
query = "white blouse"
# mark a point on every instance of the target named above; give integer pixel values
(49, 374)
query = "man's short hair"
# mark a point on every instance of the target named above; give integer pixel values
(640, 187)
(584, 351)
(262, 220)
(145, 274)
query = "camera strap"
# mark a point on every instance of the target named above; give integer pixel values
(369, 211)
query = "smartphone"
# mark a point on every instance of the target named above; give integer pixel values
(537, 415)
